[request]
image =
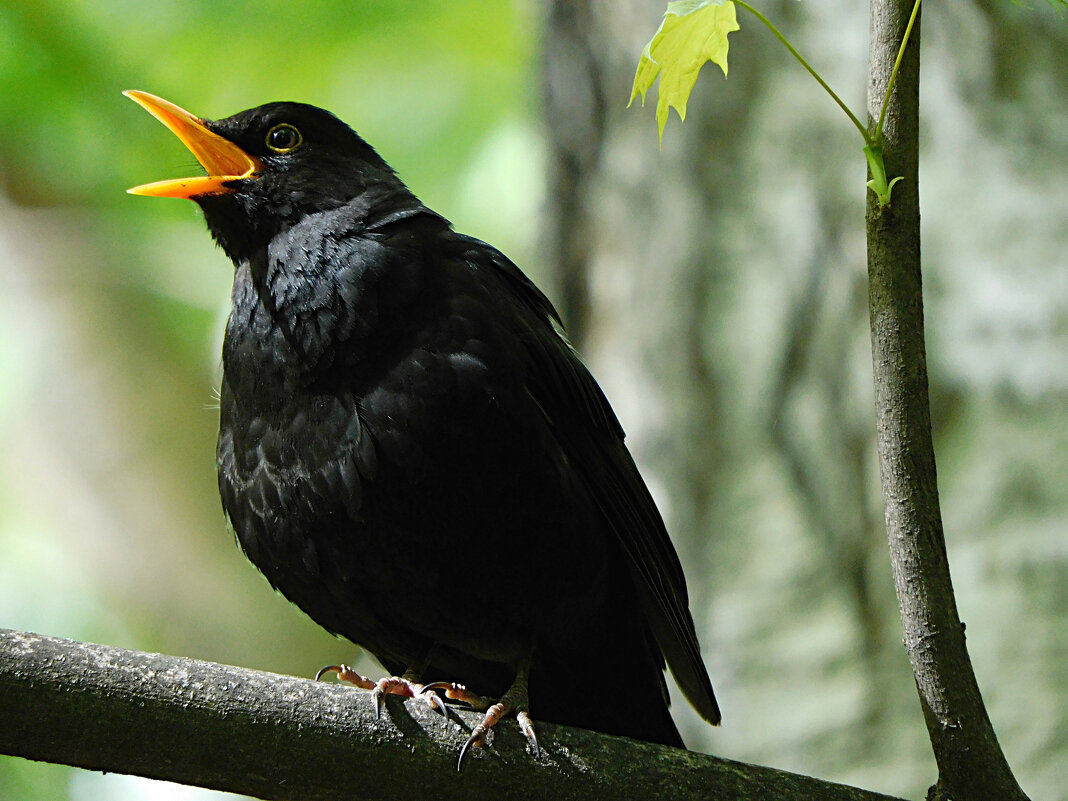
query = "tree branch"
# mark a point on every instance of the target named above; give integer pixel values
(970, 762)
(278, 737)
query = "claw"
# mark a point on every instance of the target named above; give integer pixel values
(514, 701)
(479, 732)
(526, 725)
(328, 669)
(435, 702)
(427, 691)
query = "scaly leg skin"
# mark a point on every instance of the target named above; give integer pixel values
(407, 686)
(514, 701)
(458, 692)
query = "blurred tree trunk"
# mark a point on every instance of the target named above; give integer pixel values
(635, 238)
(645, 246)
(711, 299)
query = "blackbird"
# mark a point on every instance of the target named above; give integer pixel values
(411, 451)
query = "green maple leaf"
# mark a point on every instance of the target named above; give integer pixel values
(692, 32)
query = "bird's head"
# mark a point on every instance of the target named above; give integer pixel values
(267, 168)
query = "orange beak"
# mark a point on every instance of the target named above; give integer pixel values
(223, 160)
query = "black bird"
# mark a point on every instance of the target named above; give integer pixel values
(411, 451)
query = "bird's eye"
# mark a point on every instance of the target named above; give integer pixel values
(283, 138)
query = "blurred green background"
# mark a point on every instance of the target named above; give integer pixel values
(721, 302)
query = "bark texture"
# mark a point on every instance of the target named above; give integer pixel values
(971, 766)
(277, 737)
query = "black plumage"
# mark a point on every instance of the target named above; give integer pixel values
(411, 451)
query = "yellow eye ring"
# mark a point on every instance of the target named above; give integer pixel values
(283, 138)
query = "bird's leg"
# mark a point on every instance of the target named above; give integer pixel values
(515, 701)
(407, 686)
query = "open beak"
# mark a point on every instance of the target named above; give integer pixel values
(223, 160)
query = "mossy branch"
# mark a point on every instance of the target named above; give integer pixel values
(278, 737)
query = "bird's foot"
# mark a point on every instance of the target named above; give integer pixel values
(406, 686)
(458, 692)
(515, 701)
(493, 715)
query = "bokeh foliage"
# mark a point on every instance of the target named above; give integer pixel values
(112, 306)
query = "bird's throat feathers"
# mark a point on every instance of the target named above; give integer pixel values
(319, 281)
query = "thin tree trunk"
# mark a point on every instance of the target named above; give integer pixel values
(971, 766)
